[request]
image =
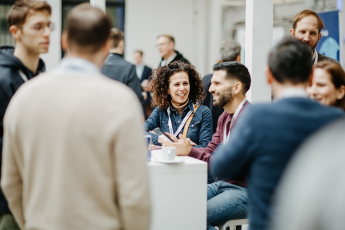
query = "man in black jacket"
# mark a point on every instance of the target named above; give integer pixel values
(230, 50)
(30, 26)
(166, 47)
(117, 68)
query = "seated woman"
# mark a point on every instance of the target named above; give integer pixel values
(328, 86)
(177, 88)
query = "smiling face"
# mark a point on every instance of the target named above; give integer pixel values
(179, 88)
(307, 31)
(323, 89)
(35, 32)
(221, 89)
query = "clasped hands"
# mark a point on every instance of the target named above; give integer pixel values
(183, 145)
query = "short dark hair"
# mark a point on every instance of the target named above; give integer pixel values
(139, 51)
(21, 8)
(88, 28)
(290, 61)
(116, 36)
(168, 36)
(235, 70)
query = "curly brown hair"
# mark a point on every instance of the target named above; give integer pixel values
(160, 83)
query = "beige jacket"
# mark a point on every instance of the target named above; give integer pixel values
(74, 157)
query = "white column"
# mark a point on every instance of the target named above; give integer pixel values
(52, 58)
(98, 3)
(342, 34)
(215, 32)
(259, 33)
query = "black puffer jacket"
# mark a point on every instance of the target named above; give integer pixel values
(179, 57)
(10, 81)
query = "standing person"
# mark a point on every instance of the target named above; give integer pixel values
(166, 47)
(328, 85)
(117, 68)
(143, 73)
(226, 200)
(30, 26)
(230, 50)
(267, 136)
(69, 158)
(307, 26)
(177, 90)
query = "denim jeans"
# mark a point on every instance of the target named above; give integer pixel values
(225, 202)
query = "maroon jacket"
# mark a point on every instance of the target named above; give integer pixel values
(205, 154)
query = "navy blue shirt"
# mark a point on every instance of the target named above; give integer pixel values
(262, 144)
(199, 130)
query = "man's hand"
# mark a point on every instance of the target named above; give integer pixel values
(146, 85)
(182, 145)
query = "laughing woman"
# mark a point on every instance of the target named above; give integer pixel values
(177, 88)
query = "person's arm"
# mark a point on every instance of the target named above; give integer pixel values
(232, 158)
(134, 83)
(131, 172)
(206, 131)
(11, 178)
(151, 123)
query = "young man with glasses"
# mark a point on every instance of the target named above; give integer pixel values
(30, 26)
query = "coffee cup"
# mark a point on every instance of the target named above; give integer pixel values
(168, 153)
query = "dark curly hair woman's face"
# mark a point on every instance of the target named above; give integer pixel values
(179, 88)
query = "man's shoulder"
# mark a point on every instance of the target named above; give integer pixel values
(207, 78)
(322, 57)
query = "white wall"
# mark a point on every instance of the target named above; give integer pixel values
(52, 58)
(186, 20)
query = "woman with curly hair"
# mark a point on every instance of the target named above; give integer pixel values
(177, 88)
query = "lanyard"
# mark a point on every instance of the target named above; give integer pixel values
(171, 130)
(25, 78)
(234, 117)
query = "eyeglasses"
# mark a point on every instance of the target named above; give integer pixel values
(40, 27)
(161, 44)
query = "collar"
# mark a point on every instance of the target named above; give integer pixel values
(166, 62)
(141, 65)
(315, 57)
(293, 92)
(190, 106)
(72, 64)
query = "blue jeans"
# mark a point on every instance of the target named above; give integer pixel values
(225, 202)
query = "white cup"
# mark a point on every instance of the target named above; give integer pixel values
(168, 153)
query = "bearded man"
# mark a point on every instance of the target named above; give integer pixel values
(225, 200)
(307, 26)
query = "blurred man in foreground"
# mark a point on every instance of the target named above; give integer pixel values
(267, 135)
(307, 26)
(118, 68)
(30, 26)
(166, 47)
(69, 158)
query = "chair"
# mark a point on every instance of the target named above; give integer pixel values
(231, 224)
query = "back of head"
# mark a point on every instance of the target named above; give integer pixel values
(88, 28)
(305, 13)
(230, 50)
(116, 36)
(22, 8)
(290, 61)
(235, 70)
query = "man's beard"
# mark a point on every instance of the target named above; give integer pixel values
(223, 99)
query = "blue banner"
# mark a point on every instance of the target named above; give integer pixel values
(329, 42)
